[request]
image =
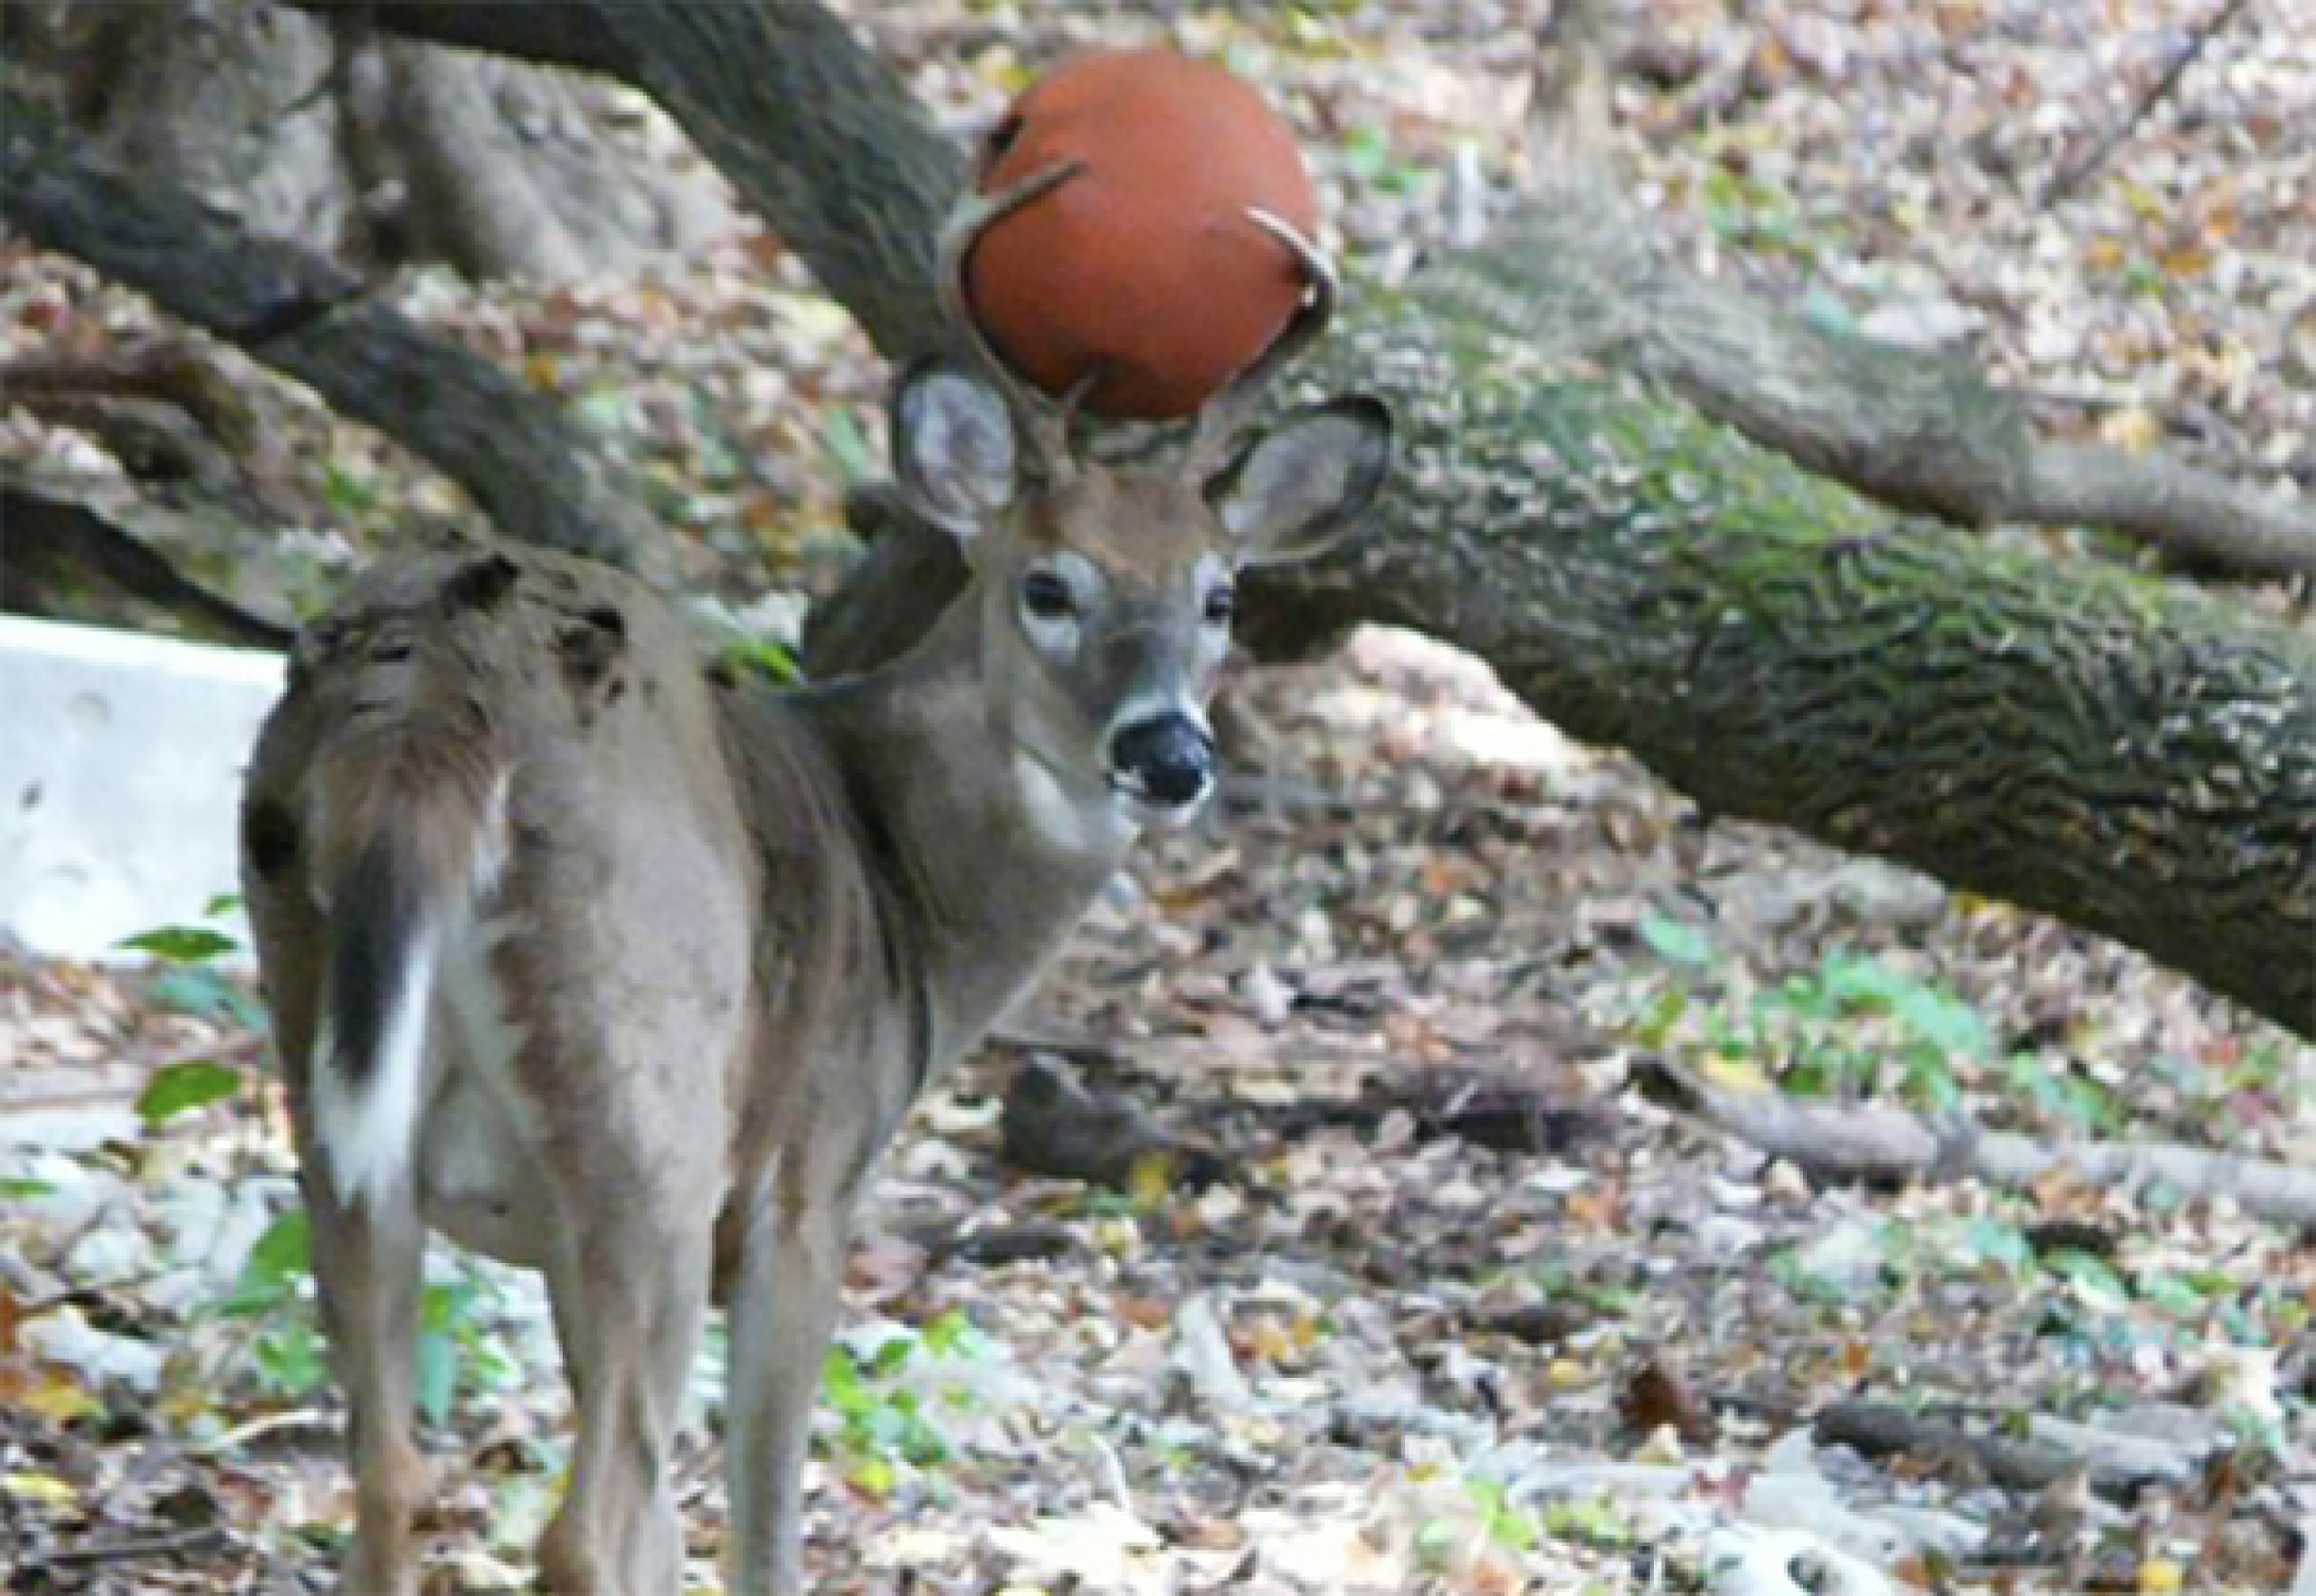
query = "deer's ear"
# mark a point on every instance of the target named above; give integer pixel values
(1296, 490)
(953, 450)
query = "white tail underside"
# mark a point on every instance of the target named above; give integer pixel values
(368, 1131)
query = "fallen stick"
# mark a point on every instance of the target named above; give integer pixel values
(1874, 1143)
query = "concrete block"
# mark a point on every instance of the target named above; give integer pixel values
(120, 774)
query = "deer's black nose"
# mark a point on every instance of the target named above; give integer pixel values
(1167, 758)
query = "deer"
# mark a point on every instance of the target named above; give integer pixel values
(625, 969)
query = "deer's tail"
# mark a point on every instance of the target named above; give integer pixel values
(413, 837)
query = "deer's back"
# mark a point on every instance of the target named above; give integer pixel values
(689, 902)
(543, 713)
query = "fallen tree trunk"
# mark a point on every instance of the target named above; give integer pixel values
(2134, 758)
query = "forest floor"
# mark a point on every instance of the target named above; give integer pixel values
(1424, 1285)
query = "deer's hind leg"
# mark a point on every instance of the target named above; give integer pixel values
(367, 1259)
(629, 1298)
(637, 1189)
(365, 1255)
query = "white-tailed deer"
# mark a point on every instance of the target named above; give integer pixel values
(605, 967)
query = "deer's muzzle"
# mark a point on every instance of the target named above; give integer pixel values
(1164, 761)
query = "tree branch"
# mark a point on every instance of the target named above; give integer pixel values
(815, 132)
(45, 533)
(1922, 433)
(544, 34)
(528, 467)
(819, 136)
(1578, 272)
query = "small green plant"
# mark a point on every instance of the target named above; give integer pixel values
(1368, 156)
(274, 1292)
(193, 980)
(458, 1352)
(1596, 1521)
(1853, 1026)
(1754, 214)
(459, 1348)
(884, 1405)
(1504, 1521)
(350, 497)
(1675, 941)
(762, 657)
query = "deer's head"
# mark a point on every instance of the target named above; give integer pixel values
(1106, 590)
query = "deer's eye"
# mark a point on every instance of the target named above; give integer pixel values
(1047, 597)
(1221, 604)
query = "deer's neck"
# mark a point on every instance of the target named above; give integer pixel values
(990, 858)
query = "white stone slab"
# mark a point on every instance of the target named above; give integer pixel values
(120, 776)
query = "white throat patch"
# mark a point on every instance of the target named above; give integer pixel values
(1063, 822)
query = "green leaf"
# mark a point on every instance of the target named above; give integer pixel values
(225, 903)
(1946, 1021)
(180, 1088)
(23, 1189)
(2090, 1274)
(1937, 1017)
(435, 1375)
(202, 991)
(2172, 1294)
(289, 1358)
(1675, 941)
(1999, 1241)
(872, 1477)
(891, 1357)
(1437, 1543)
(846, 446)
(274, 1269)
(182, 944)
(1365, 152)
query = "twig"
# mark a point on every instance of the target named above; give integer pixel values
(2071, 176)
(225, 1440)
(147, 1546)
(1873, 1142)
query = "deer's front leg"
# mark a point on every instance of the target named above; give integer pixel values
(783, 1308)
(366, 1257)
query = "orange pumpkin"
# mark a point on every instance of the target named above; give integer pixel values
(1143, 270)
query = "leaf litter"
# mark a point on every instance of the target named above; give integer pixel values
(1406, 1286)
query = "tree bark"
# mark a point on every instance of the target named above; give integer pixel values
(529, 467)
(2139, 760)
(51, 540)
(815, 132)
(1919, 431)
(371, 148)
(2133, 757)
